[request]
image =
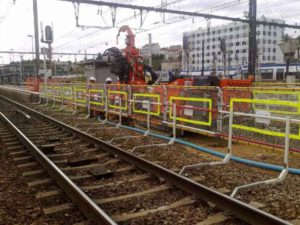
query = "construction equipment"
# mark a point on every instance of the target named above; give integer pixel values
(129, 66)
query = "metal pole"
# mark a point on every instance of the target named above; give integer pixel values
(150, 49)
(36, 36)
(287, 142)
(21, 74)
(202, 69)
(230, 131)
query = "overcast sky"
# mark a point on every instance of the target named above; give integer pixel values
(16, 22)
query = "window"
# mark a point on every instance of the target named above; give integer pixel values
(264, 32)
(230, 29)
(237, 51)
(225, 30)
(213, 32)
(274, 50)
(264, 41)
(269, 49)
(219, 31)
(244, 42)
(219, 53)
(213, 46)
(263, 57)
(269, 33)
(258, 41)
(274, 42)
(237, 36)
(198, 48)
(237, 43)
(274, 34)
(237, 28)
(208, 61)
(269, 57)
(208, 40)
(213, 39)
(198, 55)
(269, 41)
(274, 58)
(198, 35)
(219, 38)
(258, 33)
(244, 50)
(244, 27)
(230, 36)
(207, 47)
(231, 44)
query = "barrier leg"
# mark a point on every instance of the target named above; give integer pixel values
(162, 144)
(226, 158)
(148, 119)
(282, 174)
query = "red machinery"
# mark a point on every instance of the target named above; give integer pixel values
(129, 65)
(131, 69)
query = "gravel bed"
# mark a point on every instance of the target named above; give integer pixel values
(17, 201)
(142, 203)
(129, 143)
(108, 134)
(281, 199)
(171, 156)
(114, 179)
(124, 188)
(183, 215)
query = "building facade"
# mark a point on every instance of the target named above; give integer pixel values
(145, 51)
(233, 54)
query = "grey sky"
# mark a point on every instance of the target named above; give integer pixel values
(16, 22)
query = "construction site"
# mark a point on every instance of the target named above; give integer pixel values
(160, 112)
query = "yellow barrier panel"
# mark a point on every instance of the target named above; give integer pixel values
(68, 93)
(157, 96)
(119, 94)
(50, 90)
(269, 102)
(282, 93)
(80, 93)
(43, 90)
(96, 95)
(57, 92)
(205, 123)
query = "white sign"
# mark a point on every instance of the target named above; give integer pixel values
(145, 104)
(263, 120)
(117, 100)
(188, 110)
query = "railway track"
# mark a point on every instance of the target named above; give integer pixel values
(110, 185)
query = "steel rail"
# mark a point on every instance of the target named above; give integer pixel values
(89, 208)
(239, 209)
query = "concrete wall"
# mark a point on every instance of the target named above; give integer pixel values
(18, 94)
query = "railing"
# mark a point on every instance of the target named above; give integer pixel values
(198, 109)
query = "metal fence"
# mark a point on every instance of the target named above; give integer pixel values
(196, 108)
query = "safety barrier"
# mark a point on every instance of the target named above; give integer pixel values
(197, 109)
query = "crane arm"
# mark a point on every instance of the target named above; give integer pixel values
(130, 35)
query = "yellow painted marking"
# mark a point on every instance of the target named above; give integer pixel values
(119, 93)
(101, 97)
(81, 90)
(205, 123)
(264, 101)
(157, 96)
(280, 93)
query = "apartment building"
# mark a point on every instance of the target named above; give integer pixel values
(235, 35)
